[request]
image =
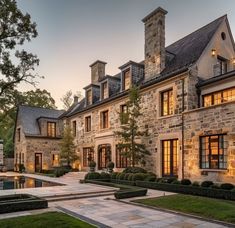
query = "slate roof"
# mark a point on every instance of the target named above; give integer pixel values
(28, 116)
(179, 56)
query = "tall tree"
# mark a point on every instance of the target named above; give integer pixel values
(130, 133)
(67, 98)
(67, 147)
(16, 65)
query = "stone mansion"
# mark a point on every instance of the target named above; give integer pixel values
(187, 99)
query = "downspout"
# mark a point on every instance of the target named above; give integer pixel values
(182, 128)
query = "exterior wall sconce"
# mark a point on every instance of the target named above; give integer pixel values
(233, 61)
(213, 52)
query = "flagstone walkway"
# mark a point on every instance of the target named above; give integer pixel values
(116, 214)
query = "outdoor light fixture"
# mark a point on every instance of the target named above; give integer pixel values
(213, 52)
(233, 61)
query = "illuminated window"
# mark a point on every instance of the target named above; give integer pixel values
(167, 103)
(219, 97)
(55, 160)
(124, 114)
(74, 127)
(104, 118)
(51, 129)
(126, 79)
(88, 156)
(89, 97)
(122, 161)
(170, 157)
(213, 152)
(87, 123)
(104, 90)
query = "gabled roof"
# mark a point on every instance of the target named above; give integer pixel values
(28, 117)
(187, 50)
(179, 56)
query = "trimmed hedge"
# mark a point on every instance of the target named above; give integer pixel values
(122, 194)
(125, 182)
(227, 186)
(134, 170)
(125, 190)
(189, 189)
(21, 202)
(92, 176)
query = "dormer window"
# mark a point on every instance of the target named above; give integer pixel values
(126, 79)
(104, 90)
(51, 129)
(89, 97)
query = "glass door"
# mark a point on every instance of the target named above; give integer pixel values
(170, 157)
(38, 162)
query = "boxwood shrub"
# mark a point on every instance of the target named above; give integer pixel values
(226, 186)
(186, 182)
(207, 184)
(104, 175)
(114, 175)
(134, 170)
(92, 176)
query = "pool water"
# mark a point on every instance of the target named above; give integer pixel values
(19, 182)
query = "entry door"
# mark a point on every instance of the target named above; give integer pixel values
(170, 157)
(104, 156)
(38, 162)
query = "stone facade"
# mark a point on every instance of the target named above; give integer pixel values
(179, 72)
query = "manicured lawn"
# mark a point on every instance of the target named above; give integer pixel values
(201, 206)
(45, 220)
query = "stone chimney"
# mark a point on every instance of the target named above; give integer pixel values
(97, 71)
(155, 53)
(75, 99)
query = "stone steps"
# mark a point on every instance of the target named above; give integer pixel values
(78, 195)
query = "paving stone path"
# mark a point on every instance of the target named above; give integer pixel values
(116, 214)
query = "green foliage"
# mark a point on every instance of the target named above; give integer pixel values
(67, 98)
(207, 184)
(227, 186)
(92, 176)
(16, 65)
(128, 193)
(67, 147)
(92, 164)
(186, 182)
(105, 176)
(138, 176)
(134, 170)
(114, 175)
(176, 182)
(48, 219)
(130, 131)
(195, 184)
(60, 171)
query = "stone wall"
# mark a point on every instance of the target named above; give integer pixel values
(208, 121)
(47, 147)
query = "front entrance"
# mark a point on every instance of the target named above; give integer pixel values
(38, 162)
(104, 155)
(170, 158)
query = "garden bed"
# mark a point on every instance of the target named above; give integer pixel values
(21, 202)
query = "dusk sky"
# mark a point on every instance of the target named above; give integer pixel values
(75, 33)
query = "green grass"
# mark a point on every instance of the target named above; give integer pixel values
(45, 220)
(205, 207)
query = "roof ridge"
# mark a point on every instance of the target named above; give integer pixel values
(32, 106)
(219, 18)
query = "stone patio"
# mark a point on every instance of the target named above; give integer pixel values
(105, 210)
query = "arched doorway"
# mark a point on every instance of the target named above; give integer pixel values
(104, 155)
